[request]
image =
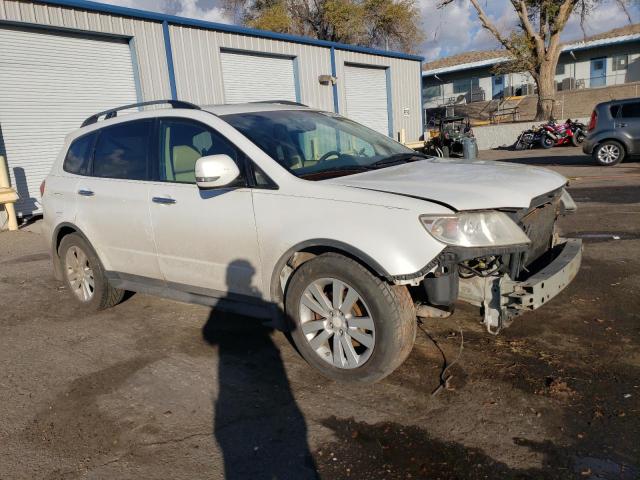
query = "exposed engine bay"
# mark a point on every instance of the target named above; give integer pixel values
(507, 281)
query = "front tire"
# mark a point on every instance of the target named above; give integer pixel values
(84, 275)
(609, 153)
(547, 142)
(347, 323)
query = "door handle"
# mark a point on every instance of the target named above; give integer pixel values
(85, 193)
(163, 200)
(623, 125)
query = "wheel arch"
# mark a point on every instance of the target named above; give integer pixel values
(620, 141)
(61, 231)
(304, 251)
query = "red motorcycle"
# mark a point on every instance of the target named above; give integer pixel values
(554, 134)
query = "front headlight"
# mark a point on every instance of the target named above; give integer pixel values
(475, 229)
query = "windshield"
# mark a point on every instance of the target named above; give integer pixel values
(317, 145)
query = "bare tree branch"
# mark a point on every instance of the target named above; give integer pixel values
(623, 5)
(487, 24)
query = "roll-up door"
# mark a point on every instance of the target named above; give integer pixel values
(49, 83)
(366, 97)
(254, 78)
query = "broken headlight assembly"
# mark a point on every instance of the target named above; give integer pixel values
(475, 229)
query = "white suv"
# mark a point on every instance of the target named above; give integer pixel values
(274, 208)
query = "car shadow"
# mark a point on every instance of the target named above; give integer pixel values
(257, 423)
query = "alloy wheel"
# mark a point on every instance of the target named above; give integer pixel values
(80, 274)
(609, 153)
(337, 323)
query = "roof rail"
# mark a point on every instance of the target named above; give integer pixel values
(282, 102)
(112, 113)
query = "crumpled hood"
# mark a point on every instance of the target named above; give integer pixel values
(462, 185)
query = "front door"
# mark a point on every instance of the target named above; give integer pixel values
(497, 86)
(598, 72)
(206, 239)
(113, 200)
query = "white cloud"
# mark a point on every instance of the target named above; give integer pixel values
(184, 8)
(456, 28)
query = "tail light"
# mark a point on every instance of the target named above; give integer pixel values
(593, 121)
(42, 188)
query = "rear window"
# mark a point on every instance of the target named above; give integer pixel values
(122, 151)
(630, 110)
(78, 157)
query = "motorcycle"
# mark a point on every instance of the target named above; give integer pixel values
(528, 139)
(554, 134)
(579, 130)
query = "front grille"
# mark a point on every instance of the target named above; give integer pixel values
(538, 222)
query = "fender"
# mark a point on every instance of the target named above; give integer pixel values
(326, 243)
(57, 270)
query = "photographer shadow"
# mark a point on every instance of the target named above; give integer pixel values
(257, 423)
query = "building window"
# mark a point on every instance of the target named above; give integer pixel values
(619, 62)
(433, 91)
(560, 69)
(464, 85)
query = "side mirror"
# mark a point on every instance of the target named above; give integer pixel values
(216, 171)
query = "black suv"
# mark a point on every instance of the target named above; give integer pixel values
(614, 131)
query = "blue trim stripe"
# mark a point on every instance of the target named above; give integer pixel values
(296, 79)
(387, 72)
(136, 71)
(169, 52)
(172, 19)
(334, 73)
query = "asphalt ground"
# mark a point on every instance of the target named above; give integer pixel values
(158, 389)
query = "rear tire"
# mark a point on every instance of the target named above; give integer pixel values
(365, 342)
(577, 139)
(84, 275)
(609, 153)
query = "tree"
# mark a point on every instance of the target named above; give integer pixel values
(388, 24)
(535, 43)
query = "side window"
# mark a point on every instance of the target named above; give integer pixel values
(615, 110)
(183, 142)
(122, 151)
(78, 157)
(631, 110)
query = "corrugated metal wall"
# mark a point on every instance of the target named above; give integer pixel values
(149, 42)
(405, 88)
(197, 59)
(196, 54)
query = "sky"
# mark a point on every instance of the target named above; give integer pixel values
(448, 31)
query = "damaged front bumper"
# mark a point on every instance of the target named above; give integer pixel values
(503, 298)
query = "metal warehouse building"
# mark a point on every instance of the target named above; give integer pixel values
(63, 60)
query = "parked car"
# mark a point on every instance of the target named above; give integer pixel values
(281, 211)
(614, 131)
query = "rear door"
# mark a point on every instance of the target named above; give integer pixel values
(113, 200)
(206, 239)
(628, 122)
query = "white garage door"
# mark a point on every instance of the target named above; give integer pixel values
(366, 95)
(254, 78)
(49, 83)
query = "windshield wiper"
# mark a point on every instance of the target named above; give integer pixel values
(398, 158)
(338, 170)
